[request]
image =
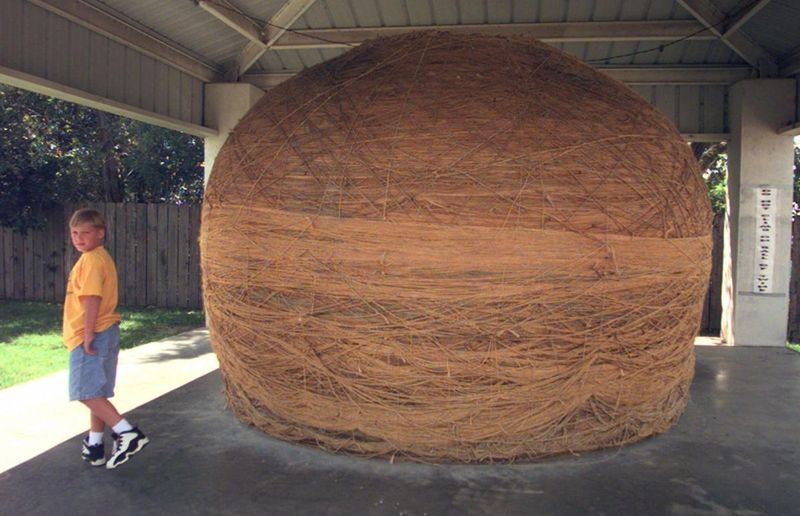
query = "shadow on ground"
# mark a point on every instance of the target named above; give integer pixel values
(734, 451)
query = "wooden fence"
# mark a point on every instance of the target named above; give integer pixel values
(154, 246)
(712, 308)
(794, 285)
(158, 260)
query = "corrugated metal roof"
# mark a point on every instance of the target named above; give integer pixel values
(775, 27)
(684, 53)
(649, 52)
(378, 13)
(190, 27)
(259, 9)
(776, 30)
(184, 23)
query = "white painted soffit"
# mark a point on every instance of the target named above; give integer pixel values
(99, 19)
(46, 87)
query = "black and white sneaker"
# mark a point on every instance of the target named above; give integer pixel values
(95, 454)
(126, 445)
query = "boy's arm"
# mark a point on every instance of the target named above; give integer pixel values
(91, 305)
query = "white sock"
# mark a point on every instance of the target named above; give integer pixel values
(122, 426)
(95, 438)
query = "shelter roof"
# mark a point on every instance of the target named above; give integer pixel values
(758, 36)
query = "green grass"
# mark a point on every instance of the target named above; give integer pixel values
(31, 344)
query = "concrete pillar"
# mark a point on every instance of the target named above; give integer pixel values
(758, 224)
(225, 105)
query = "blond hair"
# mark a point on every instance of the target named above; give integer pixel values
(88, 215)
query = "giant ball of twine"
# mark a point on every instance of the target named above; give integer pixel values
(455, 247)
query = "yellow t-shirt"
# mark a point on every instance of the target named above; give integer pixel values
(94, 275)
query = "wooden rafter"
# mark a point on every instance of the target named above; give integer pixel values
(710, 16)
(678, 75)
(632, 75)
(233, 18)
(706, 137)
(743, 17)
(273, 29)
(561, 32)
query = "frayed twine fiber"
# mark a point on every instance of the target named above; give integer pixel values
(455, 247)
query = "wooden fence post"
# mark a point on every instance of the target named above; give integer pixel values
(794, 285)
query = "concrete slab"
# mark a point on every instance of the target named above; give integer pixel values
(736, 450)
(36, 415)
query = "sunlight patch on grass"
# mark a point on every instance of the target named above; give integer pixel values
(39, 340)
(23, 362)
(31, 344)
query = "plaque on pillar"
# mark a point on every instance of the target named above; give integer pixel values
(766, 200)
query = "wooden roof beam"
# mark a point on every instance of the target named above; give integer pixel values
(706, 137)
(710, 16)
(232, 17)
(678, 75)
(743, 17)
(100, 20)
(560, 32)
(272, 30)
(267, 81)
(633, 75)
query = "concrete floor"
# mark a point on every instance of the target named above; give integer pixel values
(736, 450)
(36, 415)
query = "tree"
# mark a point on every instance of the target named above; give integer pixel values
(796, 195)
(163, 166)
(713, 160)
(31, 163)
(53, 152)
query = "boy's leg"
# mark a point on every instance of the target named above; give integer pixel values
(93, 450)
(96, 431)
(104, 412)
(85, 377)
(129, 440)
(95, 423)
(94, 379)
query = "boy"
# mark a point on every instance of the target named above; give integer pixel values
(91, 333)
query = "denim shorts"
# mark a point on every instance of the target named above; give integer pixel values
(94, 376)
